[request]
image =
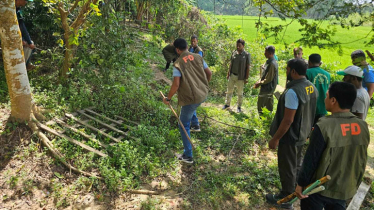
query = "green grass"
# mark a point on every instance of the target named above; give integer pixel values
(330, 57)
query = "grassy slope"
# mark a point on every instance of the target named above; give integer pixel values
(292, 34)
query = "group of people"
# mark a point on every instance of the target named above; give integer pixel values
(338, 142)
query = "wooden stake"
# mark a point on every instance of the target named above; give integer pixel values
(180, 122)
(54, 132)
(92, 128)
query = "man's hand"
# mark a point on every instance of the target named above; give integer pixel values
(32, 46)
(258, 84)
(299, 192)
(165, 101)
(228, 76)
(273, 144)
(24, 43)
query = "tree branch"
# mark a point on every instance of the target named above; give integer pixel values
(74, 6)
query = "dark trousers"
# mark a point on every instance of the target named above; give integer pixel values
(318, 202)
(265, 100)
(289, 164)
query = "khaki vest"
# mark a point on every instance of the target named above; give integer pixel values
(193, 87)
(344, 159)
(197, 50)
(304, 117)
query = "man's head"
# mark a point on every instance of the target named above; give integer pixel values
(295, 68)
(357, 57)
(194, 41)
(269, 51)
(180, 45)
(341, 95)
(314, 60)
(22, 3)
(240, 45)
(353, 75)
(298, 52)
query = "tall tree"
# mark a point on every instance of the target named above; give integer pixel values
(14, 62)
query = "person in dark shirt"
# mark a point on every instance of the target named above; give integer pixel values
(28, 44)
(338, 148)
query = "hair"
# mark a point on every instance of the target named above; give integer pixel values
(299, 65)
(315, 58)
(270, 49)
(297, 49)
(344, 92)
(241, 41)
(358, 54)
(180, 44)
(194, 37)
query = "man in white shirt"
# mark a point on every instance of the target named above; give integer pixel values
(354, 75)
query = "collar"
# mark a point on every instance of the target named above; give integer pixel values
(343, 115)
(294, 82)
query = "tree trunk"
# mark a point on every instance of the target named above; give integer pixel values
(14, 62)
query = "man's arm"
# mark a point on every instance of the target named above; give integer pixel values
(287, 120)
(247, 74)
(269, 76)
(310, 163)
(24, 32)
(370, 87)
(173, 89)
(208, 73)
(291, 105)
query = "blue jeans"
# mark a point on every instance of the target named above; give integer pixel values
(188, 117)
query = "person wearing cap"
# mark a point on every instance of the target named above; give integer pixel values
(194, 48)
(338, 148)
(321, 79)
(28, 44)
(359, 59)
(353, 75)
(238, 74)
(298, 54)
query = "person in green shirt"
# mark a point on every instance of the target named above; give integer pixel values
(321, 80)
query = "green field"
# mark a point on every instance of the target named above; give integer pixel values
(330, 57)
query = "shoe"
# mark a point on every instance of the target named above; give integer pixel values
(195, 128)
(239, 109)
(273, 198)
(185, 159)
(225, 107)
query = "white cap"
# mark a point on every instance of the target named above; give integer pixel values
(352, 70)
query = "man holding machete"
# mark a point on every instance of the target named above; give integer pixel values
(191, 76)
(338, 147)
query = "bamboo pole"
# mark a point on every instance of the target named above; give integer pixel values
(180, 122)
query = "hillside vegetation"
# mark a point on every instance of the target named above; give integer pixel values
(116, 72)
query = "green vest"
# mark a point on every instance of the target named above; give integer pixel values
(239, 63)
(321, 79)
(344, 159)
(270, 87)
(193, 87)
(304, 117)
(169, 53)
